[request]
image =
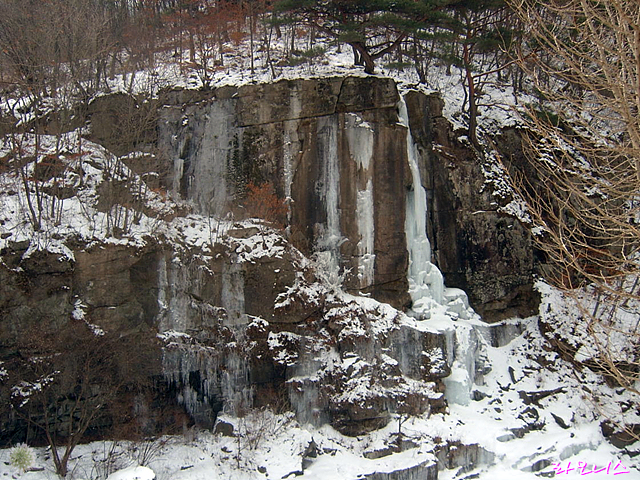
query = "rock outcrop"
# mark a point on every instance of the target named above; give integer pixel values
(335, 150)
(244, 316)
(475, 244)
(331, 147)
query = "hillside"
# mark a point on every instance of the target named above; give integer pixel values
(266, 271)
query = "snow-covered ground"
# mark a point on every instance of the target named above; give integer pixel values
(523, 430)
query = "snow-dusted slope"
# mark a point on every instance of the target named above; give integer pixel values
(532, 416)
(515, 408)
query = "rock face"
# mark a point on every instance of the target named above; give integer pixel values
(35, 294)
(476, 246)
(273, 332)
(244, 322)
(335, 150)
(244, 317)
(427, 470)
(332, 147)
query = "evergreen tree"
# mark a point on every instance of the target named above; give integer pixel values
(483, 31)
(373, 28)
(473, 35)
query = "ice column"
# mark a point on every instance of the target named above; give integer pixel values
(236, 391)
(426, 285)
(163, 286)
(360, 138)
(328, 188)
(290, 142)
(233, 293)
(201, 141)
(174, 278)
(288, 167)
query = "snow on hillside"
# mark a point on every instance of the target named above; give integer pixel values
(499, 108)
(48, 219)
(532, 415)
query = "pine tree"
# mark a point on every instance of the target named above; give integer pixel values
(483, 31)
(373, 28)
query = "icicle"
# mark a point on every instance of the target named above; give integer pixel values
(425, 280)
(233, 293)
(360, 137)
(163, 285)
(220, 142)
(236, 391)
(366, 261)
(329, 235)
(288, 166)
(466, 349)
(290, 134)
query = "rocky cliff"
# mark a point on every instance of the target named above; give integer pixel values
(336, 150)
(243, 315)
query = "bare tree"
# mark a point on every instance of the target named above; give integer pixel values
(62, 383)
(583, 187)
(48, 45)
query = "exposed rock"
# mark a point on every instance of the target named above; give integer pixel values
(620, 437)
(297, 133)
(116, 284)
(32, 300)
(427, 470)
(500, 334)
(560, 421)
(538, 466)
(530, 426)
(507, 437)
(477, 248)
(399, 444)
(311, 451)
(421, 354)
(122, 122)
(223, 428)
(534, 397)
(340, 132)
(242, 232)
(265, 280)
(245, 316)
(455, 455)
(287, 100)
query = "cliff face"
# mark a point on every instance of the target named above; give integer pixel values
(332, 147)
(476, 246)
(336, 150)
(243, 314)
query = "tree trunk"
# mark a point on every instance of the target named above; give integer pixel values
(356, 56)
(192, 48)
(365, 57)
(471, 90)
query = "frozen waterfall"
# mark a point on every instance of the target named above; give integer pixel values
(328, 188)
(426, 285)
(431, 300)
(360, 137)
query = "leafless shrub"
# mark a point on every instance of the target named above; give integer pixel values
(583, 147)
